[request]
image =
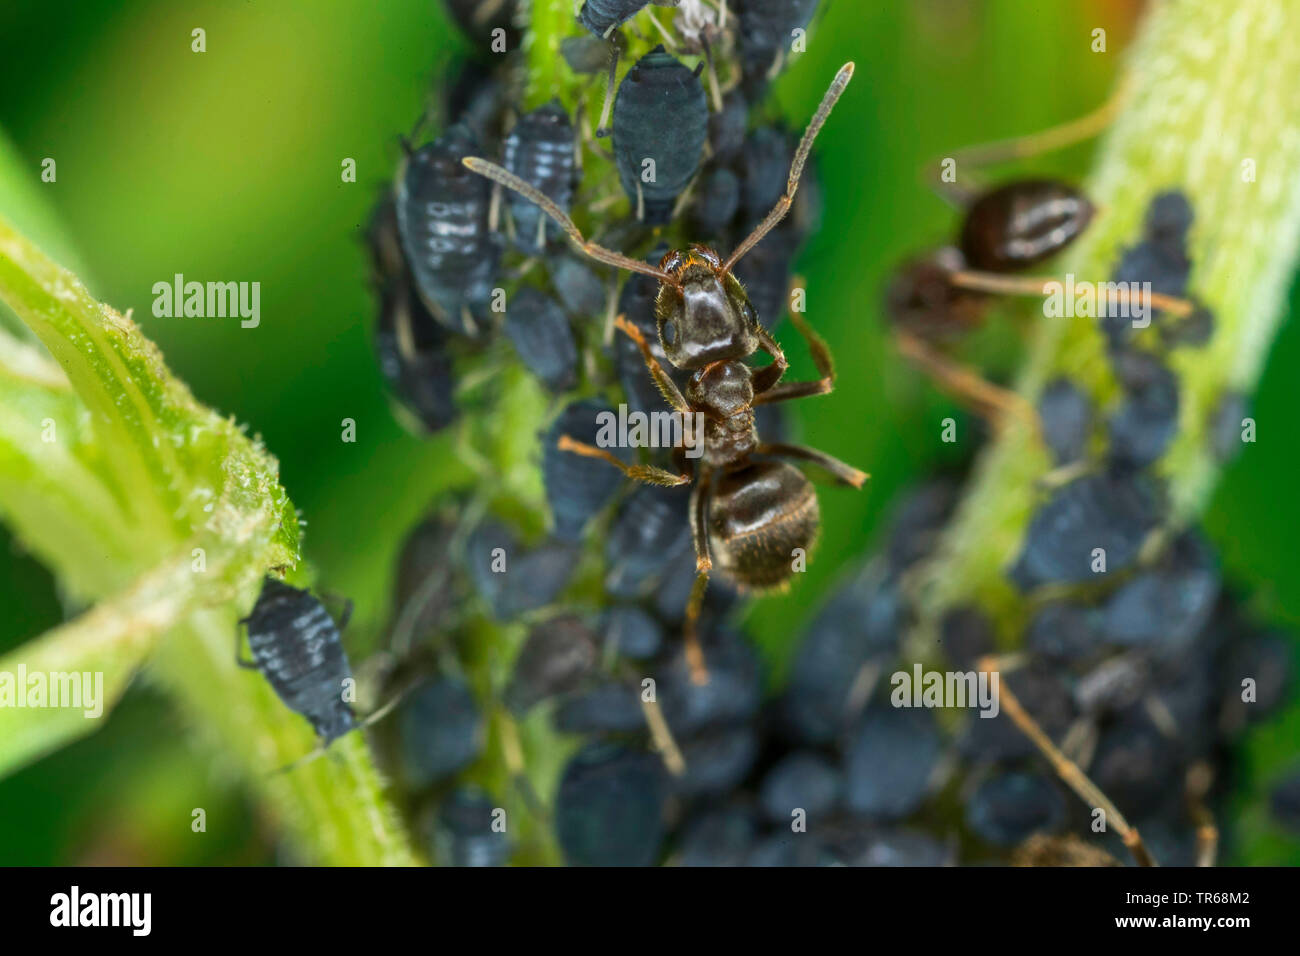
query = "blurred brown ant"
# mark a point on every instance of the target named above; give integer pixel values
(938, 297)
(747, 517)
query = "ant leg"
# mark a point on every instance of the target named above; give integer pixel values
(646, 473)
(694, 651)
(699, 520)
(990, 401)
(765, 378)
(844, 473)
(1039, 287)
(666, 385)
(1031, 144)
(796, 167)
(1066, 769)
(591, 249)
(821, 358)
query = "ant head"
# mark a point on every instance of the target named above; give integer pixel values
(704, 314)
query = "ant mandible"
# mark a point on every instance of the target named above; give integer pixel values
(748, 518)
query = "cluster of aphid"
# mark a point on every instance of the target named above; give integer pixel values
(1136, 679)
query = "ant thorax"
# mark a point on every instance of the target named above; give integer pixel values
(724, 393)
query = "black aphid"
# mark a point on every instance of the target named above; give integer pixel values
(630, 632)
(1066, 414)
(298, 649)
(410, 345)
(610, 708)
(556, 657)
(767, 32)
(512, 579)
(610, 807)
(1064, 632)
(427, 588)
(477, 98)
(1146, 420)
(803, 780)
(539, 331)
(718, 838)
(540, 151)
(890, 761)
(581, 291)
(717, 761)
(966, 634)
(588, 54)
(1042, 693)
(1285, 802)
(1134, 764)
(1226, 425)
(661, 121)
(860, 622)
(1106, 512)
(1008, 808)
(716, 202)
(731, 695)
(442, 214)
(602, 16)
(727, 127)
(440, 731)
(577, 487)
(645, 537)
(1165, 607)
(468, 831)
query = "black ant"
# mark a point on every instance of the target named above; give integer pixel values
(1005, 230)
(747, 517)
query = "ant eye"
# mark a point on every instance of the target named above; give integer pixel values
(670, 333)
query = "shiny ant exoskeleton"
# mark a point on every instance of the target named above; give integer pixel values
(941, 295)
(748, 517)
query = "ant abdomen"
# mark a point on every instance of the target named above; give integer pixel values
(759, 516)
(1023, 223)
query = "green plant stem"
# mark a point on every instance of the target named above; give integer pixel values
(1214, 86)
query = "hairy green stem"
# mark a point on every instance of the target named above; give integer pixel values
(1211, 114)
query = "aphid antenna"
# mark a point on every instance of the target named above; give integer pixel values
(833, 93)
(1066, 769)
(715, 92)
(602, 129)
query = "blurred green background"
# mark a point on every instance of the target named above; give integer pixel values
(225, 165)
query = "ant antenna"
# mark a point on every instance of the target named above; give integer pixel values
(592, 249)
(796, 168)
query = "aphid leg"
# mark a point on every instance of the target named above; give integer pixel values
(646, 473)
(766, 377)
(603, 130)
(821, 356)
(714, 92)
(1031, 144)
(666, 385)
(796, 167)
(662, 738)
(1066, 769)
(1042, 287)
(246, 665)
(595, 251)
(694, 650)
(990, 401)
(342, 613)
(843, 473)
